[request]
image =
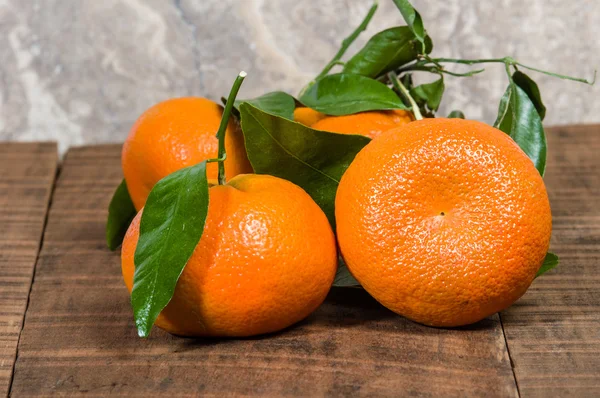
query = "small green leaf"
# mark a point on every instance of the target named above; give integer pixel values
(344, 94)
(550, 262)
(412, 18)
(384, 52)
(343, 277)
(504, 115)
(518, 118)
(171, 226)
(430, 94)
(456, 114)
(276, 103)
(312, 159)
(533, 92)
(120, 213)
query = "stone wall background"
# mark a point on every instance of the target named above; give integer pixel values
(81, 71)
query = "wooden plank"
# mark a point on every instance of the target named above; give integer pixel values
(553, 332)
(27, 172)
(79, 335)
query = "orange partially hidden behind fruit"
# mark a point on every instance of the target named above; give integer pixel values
(370, 124)
(266, 260)
(444, 221)
(307, 116)
(174, 134)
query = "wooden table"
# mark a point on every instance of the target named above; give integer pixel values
(66, 325)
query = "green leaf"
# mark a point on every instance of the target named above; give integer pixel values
(532, 90)
(312, 159)
(430, 94)
(120, 213)
(504, 115)
(343, 277)
(456, 114)
(344, 94)
(276, 103)
(384, 52)
(407, 81)
(518, 118)
(413, 18)
(171, 226)
(550, 262)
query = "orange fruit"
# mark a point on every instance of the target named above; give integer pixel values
(370, 124)
(174, 134)
(266, 260)
(307, 116)
(444, 221)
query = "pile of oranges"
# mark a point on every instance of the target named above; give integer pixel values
(443, 221)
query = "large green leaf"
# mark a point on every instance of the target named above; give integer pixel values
(518, 118)
(413, 18)
(276, 103)
(429, 94)
(120, 213)
(532, 90)
(386, 51)
(171, 226)
(550, 262)
(344, 94)
(312, 159)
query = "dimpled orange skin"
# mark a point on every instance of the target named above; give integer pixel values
(174, 134)
(307, 116)
(443, 221)
(266, 260)
(370, 124)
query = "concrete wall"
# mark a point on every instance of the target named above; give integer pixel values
(81, 71)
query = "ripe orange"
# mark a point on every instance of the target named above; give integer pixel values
(370, 124)
(266, 260)
(444, 221)
(174, 134)
(307, 116)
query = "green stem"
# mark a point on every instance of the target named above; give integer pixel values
(416, 67)
(508, 73)
(400, 87)
(466, 74)
(348, 41)
(511, 61)
(223, 126)
(575, 79)
(472, 61)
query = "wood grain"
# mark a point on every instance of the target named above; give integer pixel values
(27, 173)
(79, 335)
(553, 332)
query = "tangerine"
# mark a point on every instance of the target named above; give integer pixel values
(307, 116)
(174, 134)
(370, 124)
(266, 260)
(444, 221)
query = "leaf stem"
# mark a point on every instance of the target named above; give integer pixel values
(512, 61)
(223, 126)
(400, 87)
(466, 74)
(348, 41)
(472, 61)
(508, 73)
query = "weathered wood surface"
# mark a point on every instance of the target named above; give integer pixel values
(553, 332)
(27, 173)
(79, 335)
